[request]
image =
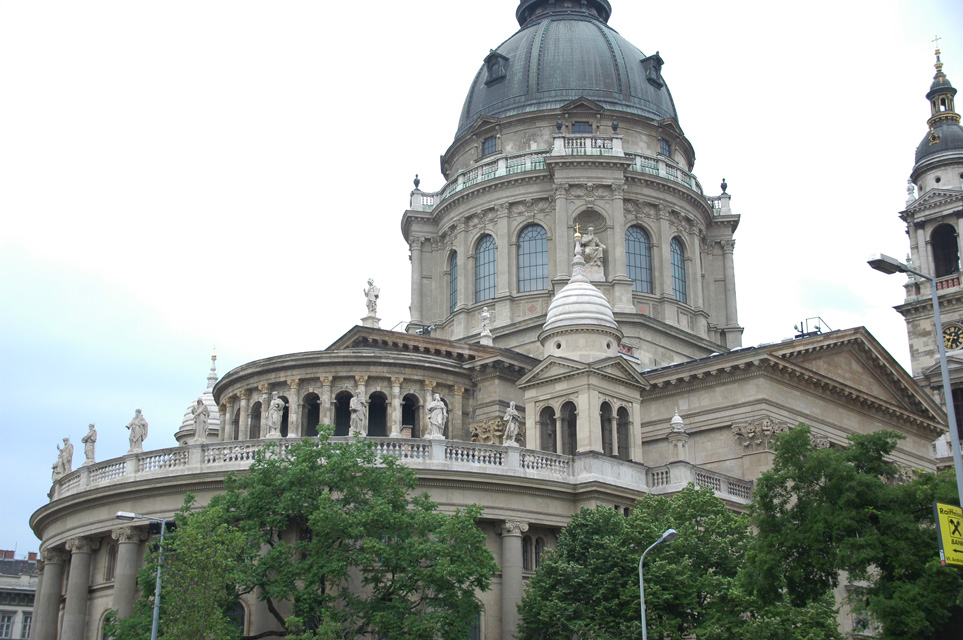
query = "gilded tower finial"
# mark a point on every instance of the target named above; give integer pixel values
(939, 63)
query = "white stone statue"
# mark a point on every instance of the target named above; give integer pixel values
(138, 432)
(371, 294)
(592, 249)
(512, 418)
(275, 412)
(486, 323)
(359, 415)
(65, 460)
(89, 439)
(437, 416)
(202, 417)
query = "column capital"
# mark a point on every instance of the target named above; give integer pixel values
(41, 563)
(128, 533)
(244, 394)
(459, 391)
(83, 544)
(361, 379)
(429, 385)
(264, 387)
(728, 245)
(512, 528)
(54, 556)
(294, 383)
(396, 382)
(325, 381)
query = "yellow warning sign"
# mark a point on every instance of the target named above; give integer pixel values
(949, 529)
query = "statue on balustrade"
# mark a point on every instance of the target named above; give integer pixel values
(275, 413)
(359, 415)
(65, 460)
(437, 416)
(486, 323)
(512, 418)
(138, 432)
(89, 439)
(202, 418)
(371, 294)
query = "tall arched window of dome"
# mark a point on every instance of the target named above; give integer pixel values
(489, 145)
(677, 255)
(485, 282)
(532, 259)
(946, 250)
(638, 259)
(453, 282)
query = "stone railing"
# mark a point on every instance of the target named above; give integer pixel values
(587, 145)
(674, 476)
(663, 168)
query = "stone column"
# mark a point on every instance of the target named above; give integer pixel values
(564, 244)
(47, 606)
(125, 572)
(78, 588)
(245, 425)
(396, 407)
(455, 418)
(503, 250)
(39, 567)
(326, 400)
(617, 266)
(511, 532)
(732, 318)
(227, 429)
(416, 318)
(294, 408)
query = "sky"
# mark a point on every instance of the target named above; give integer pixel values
(186, 175)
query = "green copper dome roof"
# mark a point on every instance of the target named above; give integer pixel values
(565, 50)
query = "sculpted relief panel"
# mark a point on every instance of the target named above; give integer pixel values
(760, 435)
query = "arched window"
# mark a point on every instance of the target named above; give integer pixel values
(255, 430)
(378, 415)
(110, 563)
(527, 553)
(453, 283)
(532, 259)
(638, 259)
(285, 415)
(622, 432)
(567, 428)
(546, 424)
(475, 633)
(485, 269)
(342, 413)
(605, 415)
(539, 550)
(677, 253)
(310, 414)
(946, 250)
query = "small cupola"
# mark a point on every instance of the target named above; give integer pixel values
(941, 96)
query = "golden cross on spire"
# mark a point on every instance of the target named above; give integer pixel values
(937, 41)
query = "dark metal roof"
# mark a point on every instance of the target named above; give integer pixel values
(950, 136)
(561, 55)
(9, 567)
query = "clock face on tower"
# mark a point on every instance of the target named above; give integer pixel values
(953, 337)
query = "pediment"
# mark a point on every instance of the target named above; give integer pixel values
(935, 199)
(481, 123)
(954, 363)
(583, 104)
(551, 368)
(554, 368)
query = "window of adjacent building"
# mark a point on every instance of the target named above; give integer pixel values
(6, 625)
(665, 147)
(25, 625)
(489, 146)
(532, 259)
(946, 250)
(485, 269)
(638, 259)
(677, 255)
(582, 127)
(452, 283)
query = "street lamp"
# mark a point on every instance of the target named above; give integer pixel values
(127, 515)
(889, 265)
(668, 536)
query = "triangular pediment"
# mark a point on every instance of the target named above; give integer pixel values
(481, 123)
(583, 104)
(555, 368)
(551, 368)
(935, 199)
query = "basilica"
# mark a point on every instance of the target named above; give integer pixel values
(574, 338)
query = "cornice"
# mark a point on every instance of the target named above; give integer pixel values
(492, 184)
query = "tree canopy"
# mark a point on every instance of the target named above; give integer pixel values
(334, 543)
(820, 512)
(588, 586)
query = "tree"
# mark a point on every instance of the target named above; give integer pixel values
(823, 511)
(588, 586)
(333, 542)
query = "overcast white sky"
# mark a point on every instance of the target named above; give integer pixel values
(185, 174)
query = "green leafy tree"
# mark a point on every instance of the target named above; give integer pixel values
(334, 542)
(823, 511)
(588, 587)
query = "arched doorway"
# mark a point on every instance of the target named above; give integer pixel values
(568, 428)
(606, 424)
(410, 414)
(310, 414)
(342, 413)
(546, 434)
(623, 429)
(255, 431)
(284, 416)
(378, 415)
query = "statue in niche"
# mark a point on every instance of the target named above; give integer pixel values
(511, 419)
(592, 249)
(202, 416)
(359, 415)
(89, 439)
(371, 294)
(486, 323)
(138, 432)
(65, 460)
(274, 415)
(437, 416)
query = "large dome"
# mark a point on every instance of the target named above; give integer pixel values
(564, 51)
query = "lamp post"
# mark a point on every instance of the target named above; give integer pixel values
(889, 265)
(127, 515)
(668, 536)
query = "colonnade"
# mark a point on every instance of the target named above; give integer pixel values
(240, 402)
